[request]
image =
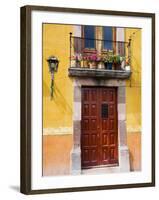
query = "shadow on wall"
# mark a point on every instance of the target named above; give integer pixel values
(61, 102)
(46, 89)
(136, 64)
(59, 99)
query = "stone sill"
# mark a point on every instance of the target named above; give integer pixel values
(99, 73)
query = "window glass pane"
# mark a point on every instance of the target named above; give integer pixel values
(89, 34)
(108, 35)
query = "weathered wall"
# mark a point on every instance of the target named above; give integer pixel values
(134, 144)
(133, 100)
(56, 154)
(133, 89)
(57, 113)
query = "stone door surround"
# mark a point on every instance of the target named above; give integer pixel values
(75, 165)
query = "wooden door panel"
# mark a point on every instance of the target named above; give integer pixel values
(86, 95)
(94, 155)
(85, 124)
(93, 110)
(105, 125)
(104, 95)
(99, 137)
(93, 139)
(93, 94)
(105, 155)
(89, 124)
(85, 157)
(86, 110)
(111, 125)
(89, 140)
(90, 157)
(111, 110)
(109, 146)
(112, 138)
(85, 140)
(105, 139)
(113, 155)
(93, 124)
(111, 95)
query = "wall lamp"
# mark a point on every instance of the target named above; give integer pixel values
(53, 64)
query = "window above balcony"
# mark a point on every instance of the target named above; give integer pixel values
(89, 33)
(109, 58)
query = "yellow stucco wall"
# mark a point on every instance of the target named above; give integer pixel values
(57, 113)
(133, 101)
(133, 89)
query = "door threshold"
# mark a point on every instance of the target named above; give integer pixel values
(101, 166)
(101, 170)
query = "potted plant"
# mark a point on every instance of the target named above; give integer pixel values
(107, 58)
(116, 61)
(76, 60)
(93, 61)
(104, 60)
(101, 65)
(110, 62)
(85, 61)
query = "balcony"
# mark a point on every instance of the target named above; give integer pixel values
(99, 62)
(99, 73)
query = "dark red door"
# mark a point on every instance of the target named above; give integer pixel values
(99, 137)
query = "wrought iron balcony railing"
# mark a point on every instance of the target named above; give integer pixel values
(100, 58)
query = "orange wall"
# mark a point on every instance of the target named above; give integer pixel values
(134, 145)
(56, 154)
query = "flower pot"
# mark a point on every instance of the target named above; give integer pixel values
(123, 65)
(117, 66)
(85, 64)
(78, 64)
(109, 66)
(101, 65)
(73, 63)
(127, 68)
(92, 64)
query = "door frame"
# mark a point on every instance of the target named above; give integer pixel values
(123, 152)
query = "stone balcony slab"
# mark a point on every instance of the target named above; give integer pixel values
(99, 73)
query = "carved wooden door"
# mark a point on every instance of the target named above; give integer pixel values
(99, 135)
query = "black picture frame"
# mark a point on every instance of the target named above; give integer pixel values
(26, 107)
